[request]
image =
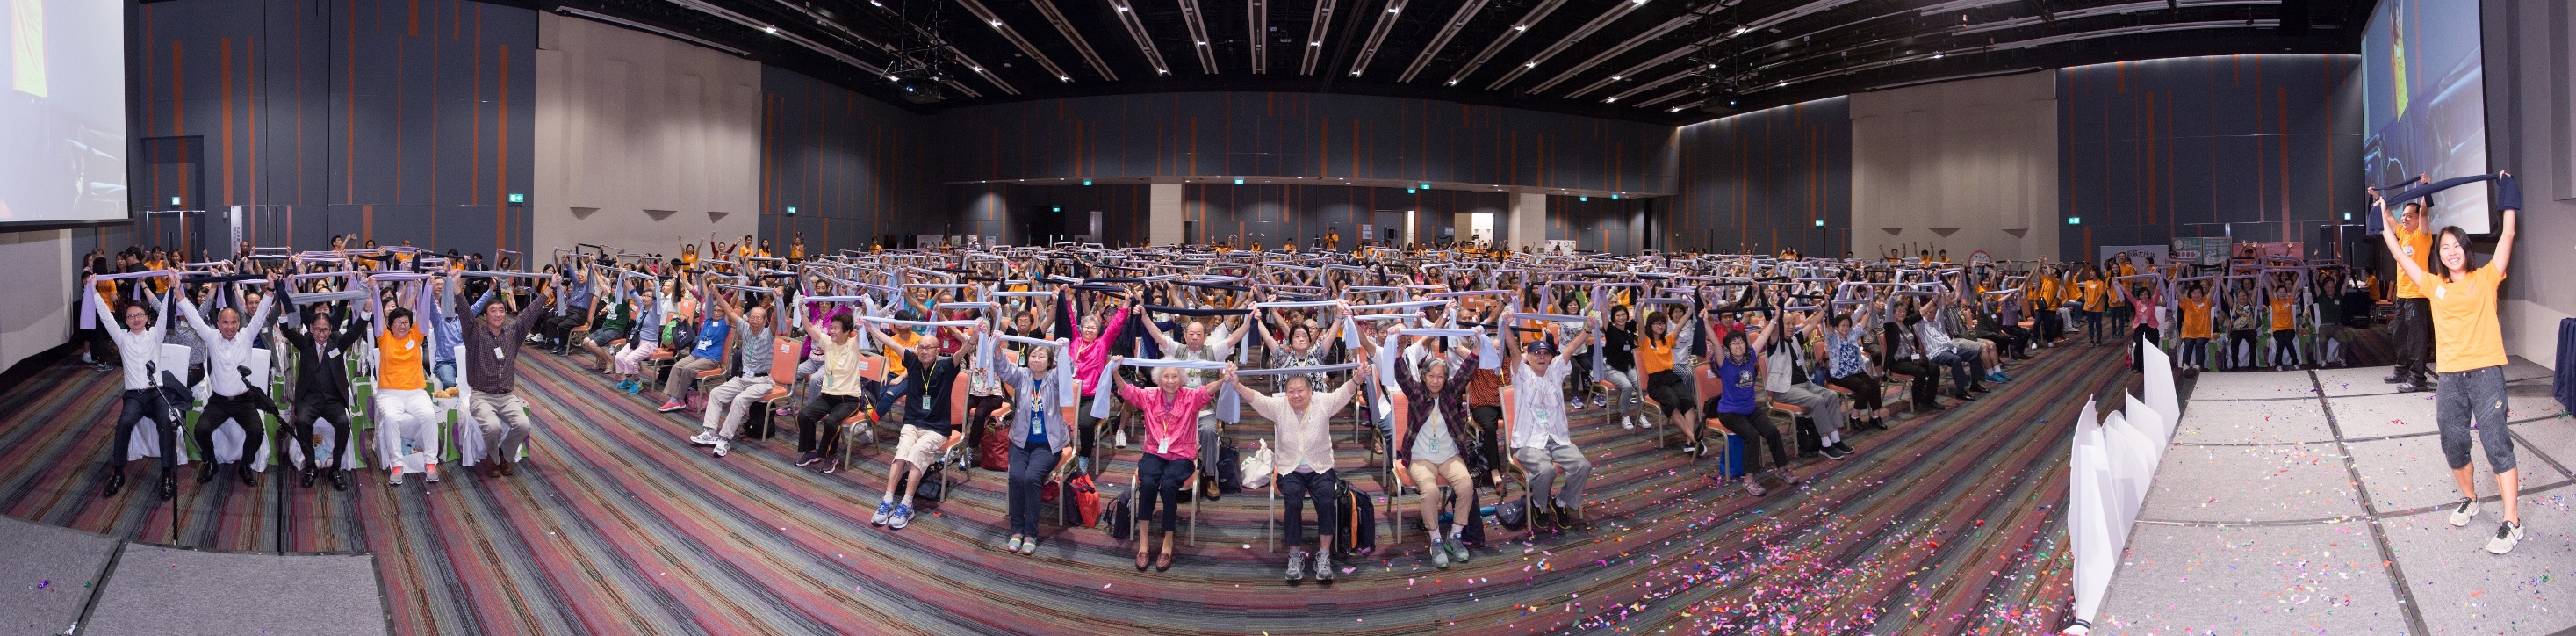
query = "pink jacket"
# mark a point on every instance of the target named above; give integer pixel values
(1171, 419)
(1089, 356)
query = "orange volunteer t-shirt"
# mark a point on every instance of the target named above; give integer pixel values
(2465, 334)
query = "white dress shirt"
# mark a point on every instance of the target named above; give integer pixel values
(225, 357)
(1538, 404)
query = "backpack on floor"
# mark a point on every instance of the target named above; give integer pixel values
(1358, 534)
(1229, 470)
(994, 453)
(1513, 514)
(932, 488)
(1809, 442)
(1122, 516)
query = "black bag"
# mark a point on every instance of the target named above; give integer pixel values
(932, 487)
(1471, 531)
(1229, 470)
(1122, 516)
(1514, 514)
(1358, 534)
(1809, 443)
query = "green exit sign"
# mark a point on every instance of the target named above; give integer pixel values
(791, 209)
(518, 198)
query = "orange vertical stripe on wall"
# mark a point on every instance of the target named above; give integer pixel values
(367, 221)
(2283, 94)
(178, 94)
(250, 51)
(349, 142)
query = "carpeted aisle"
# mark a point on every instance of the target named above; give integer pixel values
(1946, 524)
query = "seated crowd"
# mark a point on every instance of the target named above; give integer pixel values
(1455, 369)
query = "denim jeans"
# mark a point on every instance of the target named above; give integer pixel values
(2475, 395)
(1029, 466)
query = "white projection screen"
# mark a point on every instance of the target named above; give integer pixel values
(62, 117)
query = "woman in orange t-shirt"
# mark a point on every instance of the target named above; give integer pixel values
(2469, 359)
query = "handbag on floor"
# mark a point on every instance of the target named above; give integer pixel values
(1358, 534)
(994, 452)
(1471, 532)
(1256, 469)
(1122, 516)
(1229, 470)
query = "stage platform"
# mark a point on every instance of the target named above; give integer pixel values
(1948, 523)
(2310, 502)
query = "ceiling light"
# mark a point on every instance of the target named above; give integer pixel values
(1453, 82)
(1520, 27)
(1784, 82)
(1314, 44)
(1613, 99)
(1058, 77)
(1394, 9)
(1936, 56)
(1122, 9)
(1202, 44)
(1615, 78)
(1530, 65)
(977, 69)
(770, 30)
(997, 23)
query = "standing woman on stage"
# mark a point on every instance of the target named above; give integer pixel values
(2468, 358)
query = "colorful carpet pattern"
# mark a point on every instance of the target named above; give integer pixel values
(1947, 524)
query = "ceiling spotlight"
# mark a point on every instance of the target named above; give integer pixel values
(1740, 30)
(1615, 78)
(1058, 77)
(1936, 56)
(1530, 65)
(770, 30)
(1162, 72)
(1314, 44)
(1394, 9)
(977, 69)
(1202, 44)
(997, 23)
(1520, 27)
(1453, 82)
(1355, 73)
(1784, 82)
(1122, 9)
(1613, 99)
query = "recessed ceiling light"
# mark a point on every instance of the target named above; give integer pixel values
(1394, 9)
(1122, 9)
(1202, 44)
(1530, 65)
(1936, 56)
(977, 69)
(1314, 44)
(770, 30)
(1520, 27)
(1615, 78)
(1613, 99)
(997, 23)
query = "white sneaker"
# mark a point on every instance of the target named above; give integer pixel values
(2506, 536)
(1627, 422)
(2467, 509)
(704, 438)
(721, 447)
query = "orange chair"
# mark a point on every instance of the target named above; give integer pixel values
(782, 382)
(861, 423)
(1709, 385)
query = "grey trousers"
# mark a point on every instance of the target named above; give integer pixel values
(505, 424)
(1826, 407)
(1546, 463)
(2467, 397)
(729, 402)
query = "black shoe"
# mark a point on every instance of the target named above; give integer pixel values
(340, 480)
(115, 482)
(2393, 379)
(2410, 387)
(206, 471)
(1833, 453)
(1878, 424)
(249, 478)
(1978, 388)
(1540, 517)
(306, 479)
(169, 485)
(1963, 396)
(1572, 519)
(1844, 447)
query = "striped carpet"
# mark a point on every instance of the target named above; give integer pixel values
(1946, 524)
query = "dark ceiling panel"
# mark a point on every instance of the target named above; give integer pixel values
(1646, 60)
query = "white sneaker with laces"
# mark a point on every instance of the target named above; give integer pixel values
(721, 447)
(703, 438)
(2506, 535)
(1627, 423)
(2461, 514)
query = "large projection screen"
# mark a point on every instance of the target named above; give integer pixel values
(62, 119)
(2426, 112)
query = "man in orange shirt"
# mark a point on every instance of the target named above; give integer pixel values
(2414, 328)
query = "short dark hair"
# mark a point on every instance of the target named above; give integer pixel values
(398, 314)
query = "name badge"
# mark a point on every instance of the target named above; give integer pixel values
(2441, 292)
(1166, 447)
(331, 353)
(496, 354)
